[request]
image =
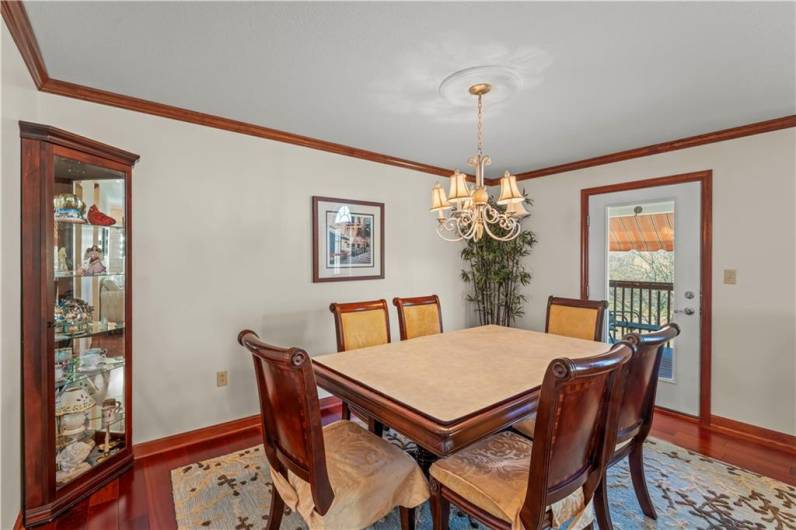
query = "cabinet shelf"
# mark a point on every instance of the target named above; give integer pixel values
(74, 276)
(94, 329)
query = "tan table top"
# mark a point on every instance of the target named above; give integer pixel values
(457, 373)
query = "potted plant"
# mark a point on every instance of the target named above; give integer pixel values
(496, 274)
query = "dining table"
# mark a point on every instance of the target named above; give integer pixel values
(448, 390)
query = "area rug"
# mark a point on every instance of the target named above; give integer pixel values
(233, 492)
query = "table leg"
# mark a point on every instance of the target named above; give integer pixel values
(424, 459)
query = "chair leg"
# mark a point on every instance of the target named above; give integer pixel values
(407, 518)
(440, 507)
(376, 427)
(636, 460)
(346, 413)
(277, 510)
(601, 509)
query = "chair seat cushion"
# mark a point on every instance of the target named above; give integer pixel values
(493, 475)
(369, 477)
(527, 426)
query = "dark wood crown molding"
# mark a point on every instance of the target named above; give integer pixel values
(784, 122)
(18, 24)
(21, 31)
(36, 131)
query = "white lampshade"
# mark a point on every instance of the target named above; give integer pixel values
(509, 193)
(516, 210)
(459, 191)
(438, 199)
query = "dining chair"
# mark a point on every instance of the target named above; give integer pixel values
(418, 316)
(509, 482)
(635, 417)
(338, 476)
(581, 319)
(359, 325)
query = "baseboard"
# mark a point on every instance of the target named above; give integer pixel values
(329, 407)
(18, 522)
(770, 438)
(675, 414)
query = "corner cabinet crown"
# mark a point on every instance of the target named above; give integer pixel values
(76, 318)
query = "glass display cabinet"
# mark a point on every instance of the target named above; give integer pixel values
(76, 318)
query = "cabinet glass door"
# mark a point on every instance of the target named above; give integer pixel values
(89, 275)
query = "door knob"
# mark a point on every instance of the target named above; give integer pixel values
(687, 311)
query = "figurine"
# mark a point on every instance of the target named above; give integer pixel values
(63, 263)
(96, 217)
(69, 208)
(93, 261)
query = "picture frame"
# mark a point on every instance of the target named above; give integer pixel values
(347, 240)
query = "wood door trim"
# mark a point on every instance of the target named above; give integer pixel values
(784, 122)
(705, 178)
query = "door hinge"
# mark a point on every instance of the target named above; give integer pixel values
(588, 220)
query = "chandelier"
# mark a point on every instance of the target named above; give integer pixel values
(467, 213)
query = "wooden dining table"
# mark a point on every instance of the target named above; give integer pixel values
(449, 390)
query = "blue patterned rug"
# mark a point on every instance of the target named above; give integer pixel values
(689, 491)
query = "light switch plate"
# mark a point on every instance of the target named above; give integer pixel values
(729, 276)
(221, 378)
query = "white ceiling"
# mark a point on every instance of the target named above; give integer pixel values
(599, 77)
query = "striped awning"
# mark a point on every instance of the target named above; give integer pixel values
(643, 232)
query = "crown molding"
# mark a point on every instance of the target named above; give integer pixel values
(784, 122)
(18, 23)
(21, 31)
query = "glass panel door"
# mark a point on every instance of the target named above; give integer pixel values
(89, 274)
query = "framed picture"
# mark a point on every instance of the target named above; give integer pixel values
(347, 240)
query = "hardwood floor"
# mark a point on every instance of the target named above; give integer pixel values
(141, 499)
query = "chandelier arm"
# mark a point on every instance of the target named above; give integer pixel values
(513, 233)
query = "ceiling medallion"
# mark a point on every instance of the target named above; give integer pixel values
(470, 212)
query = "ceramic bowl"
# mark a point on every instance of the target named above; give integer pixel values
(73, 399)
(74, 423)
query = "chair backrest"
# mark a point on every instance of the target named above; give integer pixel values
(291, 415)
(581, 319)
(575, 427)
(418, 316)
(361, 324)
(638, 402)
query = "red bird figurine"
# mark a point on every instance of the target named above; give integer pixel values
(96, 217)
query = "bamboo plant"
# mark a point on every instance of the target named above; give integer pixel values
(496, 275)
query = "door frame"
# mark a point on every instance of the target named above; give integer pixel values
(705, 179)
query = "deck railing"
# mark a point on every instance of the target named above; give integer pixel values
(638, 306)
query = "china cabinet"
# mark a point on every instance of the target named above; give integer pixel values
(76, 318)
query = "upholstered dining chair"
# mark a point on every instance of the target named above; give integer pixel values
(418, 316)
(510, 482)
(635, 417)
(338, 476)
(581, 319)
(359, 325)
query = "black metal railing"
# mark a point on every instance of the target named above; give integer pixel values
(638, 306)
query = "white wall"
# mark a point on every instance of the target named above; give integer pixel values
(754, 187)
(19, 101)
(221, 242)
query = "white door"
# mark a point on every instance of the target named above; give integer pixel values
(642, 308)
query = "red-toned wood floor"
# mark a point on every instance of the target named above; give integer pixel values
(141, 499)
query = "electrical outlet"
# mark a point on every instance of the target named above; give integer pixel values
(222, 378)
(729, 276)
